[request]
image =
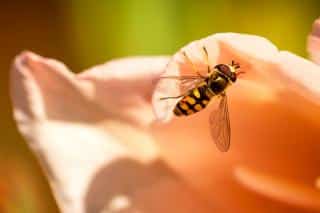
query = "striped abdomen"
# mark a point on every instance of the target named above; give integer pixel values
(196, 100)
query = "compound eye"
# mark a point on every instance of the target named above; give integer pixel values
(226, 71)
(223, 68)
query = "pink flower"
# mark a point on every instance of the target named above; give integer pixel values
(314, 42)
(102, 147)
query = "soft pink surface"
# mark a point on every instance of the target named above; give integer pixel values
(103, 148)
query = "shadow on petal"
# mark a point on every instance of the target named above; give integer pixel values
(125, 185)
(279, 188)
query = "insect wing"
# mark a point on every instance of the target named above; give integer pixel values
(220, 125)
(185, 83)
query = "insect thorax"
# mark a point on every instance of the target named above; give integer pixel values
(217, 83)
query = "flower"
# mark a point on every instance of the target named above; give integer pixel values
(103, 149)
(314, 42)
(274, 150)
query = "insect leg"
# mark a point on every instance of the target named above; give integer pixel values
(180, 77)
(173, 97)
(193, 67)
(206, 57)
(235, 64)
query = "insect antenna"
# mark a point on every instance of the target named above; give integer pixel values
(240, 73)
(235, 64)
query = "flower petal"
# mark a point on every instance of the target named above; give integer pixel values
(252, 52)
(263, 63)
(91, 157)
(51, 109)
(124, 87)
(300, 76)
(318, 183)
(38, 86)
(272, 108)
(314, 42)
(279, 188)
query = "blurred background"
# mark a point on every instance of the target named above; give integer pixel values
(82, 33)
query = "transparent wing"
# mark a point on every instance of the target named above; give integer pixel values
(220, 125)
(185, 83)
(170, 88)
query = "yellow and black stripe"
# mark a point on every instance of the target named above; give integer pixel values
(196, 100)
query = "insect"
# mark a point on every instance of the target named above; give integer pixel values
(198, 90)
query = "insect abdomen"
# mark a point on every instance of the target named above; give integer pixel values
(196, 100)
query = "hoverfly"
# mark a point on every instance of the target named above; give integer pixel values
(199, 89)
